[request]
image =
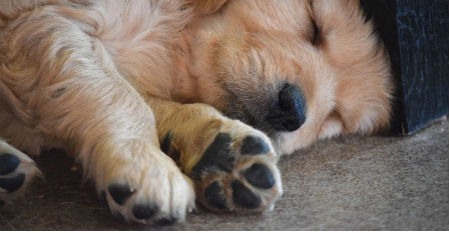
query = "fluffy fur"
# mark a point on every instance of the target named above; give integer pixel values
(107, 80)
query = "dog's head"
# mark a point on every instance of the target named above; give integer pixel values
(271, 65)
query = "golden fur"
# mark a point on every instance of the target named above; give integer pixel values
(107, 80)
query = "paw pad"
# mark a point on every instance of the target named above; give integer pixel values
(166, 142)
(259, 176)
(142, 211)
(120, 193)
(214, 196)
(244, 197)
(217, 156)
(13, 183)
(252, 145)
(8, 163)
(166, 221)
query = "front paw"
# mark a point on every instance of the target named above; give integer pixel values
(147, 189)
(237, 171)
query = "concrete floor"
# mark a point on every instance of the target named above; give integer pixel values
(375, 183)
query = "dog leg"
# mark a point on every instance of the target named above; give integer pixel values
(74, 94)
(16, 170)
(232, 165)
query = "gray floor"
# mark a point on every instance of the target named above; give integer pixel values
(375, 183)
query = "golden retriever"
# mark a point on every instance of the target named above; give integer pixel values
(164, 102)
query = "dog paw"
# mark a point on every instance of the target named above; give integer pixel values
(16, 170)
(150, 191)
(238, 171)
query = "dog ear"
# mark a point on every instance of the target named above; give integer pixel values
(207, 6)
(364, 87)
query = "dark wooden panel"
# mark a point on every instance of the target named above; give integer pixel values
(416, 34)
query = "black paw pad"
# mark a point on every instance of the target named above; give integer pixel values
(243, 197)
(145, 211)
(120, 192)
(217, 155)
(252, 145)
(166, 142)
(214, 196)
(13, 183)
(166, 221)
(8, 163)
(259, 176)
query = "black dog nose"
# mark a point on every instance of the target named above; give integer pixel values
(289, 113)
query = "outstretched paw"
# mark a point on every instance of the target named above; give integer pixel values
(238, 171)
(148, 190)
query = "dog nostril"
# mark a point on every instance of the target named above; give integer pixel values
(288, 114)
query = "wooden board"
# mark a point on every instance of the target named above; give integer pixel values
(416, 34)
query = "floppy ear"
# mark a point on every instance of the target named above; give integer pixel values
(364, 81)
(207, 6)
